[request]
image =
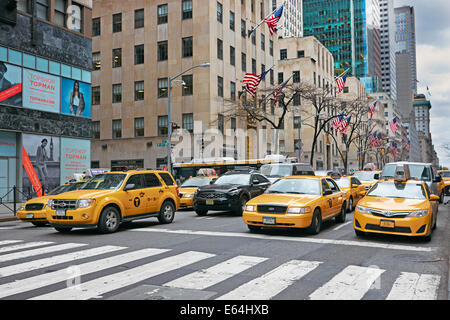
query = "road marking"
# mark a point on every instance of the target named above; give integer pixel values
(352, 283)
(97, 287)
(3, 242)
(208, 277)
(412, 286)
(46, 262)
(11, 227)
(273, 282)
(24, 246)
(28, 284)
(359, 243)
(35, 252)
(343, 225)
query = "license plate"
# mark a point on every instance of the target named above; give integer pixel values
(61, 212)
(269, 220)
(209, 202)
(30, 215)
(387, 223)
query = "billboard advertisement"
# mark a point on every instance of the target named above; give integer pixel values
(75, 157)
(41, 164)
(10, 84)
(41, 91)
(75, 98)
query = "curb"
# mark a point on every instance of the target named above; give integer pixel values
(8, 219)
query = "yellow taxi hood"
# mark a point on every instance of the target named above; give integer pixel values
(43, 199)
(188, 189)
(284, 199)
(393, 204)
(83, 194)
(447, 182)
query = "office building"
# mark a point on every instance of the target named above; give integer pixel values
(388, 48)
(291, 23)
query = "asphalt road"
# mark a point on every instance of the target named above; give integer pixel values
(216, 257)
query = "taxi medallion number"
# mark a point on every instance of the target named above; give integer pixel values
(60, 212)
(269, 220)
(387, 223)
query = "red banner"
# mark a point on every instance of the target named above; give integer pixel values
(31, 173)
(8, 93)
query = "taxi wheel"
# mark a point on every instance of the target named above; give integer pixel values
(341, 217)
(441, 197)
(241, 207)
(109, 220)
(253, 228)
(360, 233)
(316, 223)
(167, 213)
(201, 212)
(350, 204)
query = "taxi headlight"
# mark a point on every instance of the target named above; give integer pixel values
(250, 208)
(299, 210)
(362, 209)
(50, 203)
(188, 195)
(84, 203)
(21, 208)
(420, 213)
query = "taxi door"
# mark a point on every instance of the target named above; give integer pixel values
(135, 202)
(154, 191)
(337, 196)
(357, 188)
(327, 207)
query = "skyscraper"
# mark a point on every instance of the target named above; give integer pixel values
(388, 48)
(291, 23)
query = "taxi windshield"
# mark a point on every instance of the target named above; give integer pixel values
(58, 190)
(296, 186)
(445, 174)
(342, 182)
(365, 176)
(398, 190)
(104, 182)
(196, 182)
(276, 171)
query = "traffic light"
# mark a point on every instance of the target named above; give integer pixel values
(8, 12)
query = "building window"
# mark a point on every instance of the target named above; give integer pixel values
(163, 52)
(283, 54)
(232, 20)
(243, 29)
(253, 66)
(253, 38)
(117, 129)
(271, 47)
(271, 77)
(95, 95)
(219, 12)
(233, 90)
(233, 124)
(139, 54)
(219, 49)
(188, 122)
(345, 89)
(162, 87)
(300, 54)
(138, 127)
(96, 27)
(42, 9)
(138, 18)
(117, 22)
(186, 9)
(188, 85)
(163, 13)
(297, 99)
(60, 12)
(187, 50)
(139, 90)
(117, 93)
(162, 126)
(263, 42)
(77, 17)
(96, 129)
(244, 62)
(220, 86)
(220, 123)
(117, 58)
(96, 64)
(297, 124)
(296, 77)
(280, 77)
(232, 56)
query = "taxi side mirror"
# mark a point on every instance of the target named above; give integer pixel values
(376, 176)
(129, 187)
(327, 192)
(434, 197)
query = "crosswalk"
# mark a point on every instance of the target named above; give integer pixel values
(45, 270)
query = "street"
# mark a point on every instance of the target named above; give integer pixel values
(216, 257)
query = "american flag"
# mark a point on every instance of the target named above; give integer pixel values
(337, 121)
(344, 125)
(341, 82)
(252, 81)
(272, 21)
(394, 150)
(394, 125)
(372, 109)
(373, 139)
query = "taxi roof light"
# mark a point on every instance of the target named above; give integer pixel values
(402, 173)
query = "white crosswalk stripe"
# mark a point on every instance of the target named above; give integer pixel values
(35, 252)
(273, 282)
(349, 284)
(24, 246)
(413, 286)
(206, 278)
(4, 242)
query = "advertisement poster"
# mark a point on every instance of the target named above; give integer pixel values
(41, 164)
(10, 84)
(75, 158)
(41, 91)
(75, 98)
(7, 144)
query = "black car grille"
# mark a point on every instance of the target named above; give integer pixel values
(211, 195)
(64, 204)
(34, 206)
(272, 209)
(395, 229)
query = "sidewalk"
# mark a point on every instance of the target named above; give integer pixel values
(7, 214)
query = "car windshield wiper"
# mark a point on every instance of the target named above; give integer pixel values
(274, 191)
(297, 192)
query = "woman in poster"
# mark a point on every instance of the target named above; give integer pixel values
(76, 100)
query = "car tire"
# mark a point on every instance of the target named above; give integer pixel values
(316, 223)
(201, 212)
(441, 197)
(166, 213)
(39, 223)
(350, 204)
(63, 229)
(341, 217)
(242, 201)
(109, 220)
(253, 228)
(360, 233)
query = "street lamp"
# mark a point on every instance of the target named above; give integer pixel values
(169, 121)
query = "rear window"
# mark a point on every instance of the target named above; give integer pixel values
(167, 178)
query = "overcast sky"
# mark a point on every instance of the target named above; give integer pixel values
(433, 66)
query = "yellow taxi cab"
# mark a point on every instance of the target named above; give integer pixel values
(110, 198)
(353, 188)
(34, 210)
(367, 177)
(444, 185)
(296, 202)
(399, 206)
(188, 188)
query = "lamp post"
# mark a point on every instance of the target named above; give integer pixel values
(169, 121)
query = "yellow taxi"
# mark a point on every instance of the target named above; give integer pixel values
(188, 188)
(367, 177)
(296, 202)
(399, 206)
(110, 198)
(34, 210)
(444, 185)
(353, 188)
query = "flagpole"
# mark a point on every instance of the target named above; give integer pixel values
(341, 74)
(262, 21)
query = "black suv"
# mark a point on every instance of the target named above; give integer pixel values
(230, 192)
